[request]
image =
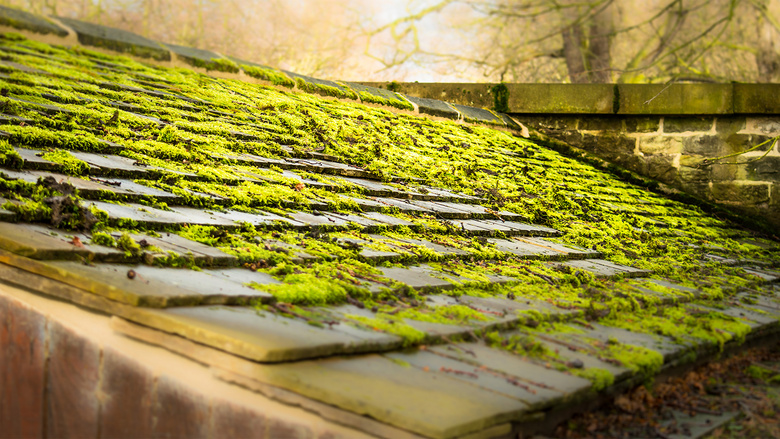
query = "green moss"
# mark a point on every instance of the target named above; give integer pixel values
(600, 378)
(128, 244)
(101, 238)
(69, 164)
(266, 74)
(407, 333)
(9, 157)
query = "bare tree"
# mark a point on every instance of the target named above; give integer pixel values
(596, 40)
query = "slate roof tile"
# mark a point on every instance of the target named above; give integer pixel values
(369, 260)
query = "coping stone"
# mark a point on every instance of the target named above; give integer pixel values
(561, 98)
(110, 38)
(24, 20)
(675, 99)
(434, 107)
(757, 98)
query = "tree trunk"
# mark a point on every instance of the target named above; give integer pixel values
(598, 54)
(573, 54)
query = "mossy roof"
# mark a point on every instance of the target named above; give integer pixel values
(362, 256)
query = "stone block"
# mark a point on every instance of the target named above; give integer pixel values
(729, 124)
(23, 20)
(22, 363)
(471, 94)
(706, 145)
(642, 124)
(72, 406)
(599, 123)
(179, 412)
(127, 389)
(766, 168)
(742, 192)
(674, 99)
(683, 124)
(554, 123)
(743, 142)
(764, 125)
(660, 144)
(661, 167)
(561, 98)
(757, 98)
(105, 37)
(724, 172)
(688, 174)
(237, 421)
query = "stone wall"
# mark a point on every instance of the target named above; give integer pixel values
(684, 152)
(677, 134)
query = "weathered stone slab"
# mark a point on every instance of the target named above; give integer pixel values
(372, 95)
(143, 214)
(318, 219)
(39, 106)
(763, 273)
(152, 286)
(396, 394)
(387, 219)
(116, 39)
(473, 114)
(499, 306)
(433, 331)
(203, 217)
(602, 270)
(259, 218)
(403, 205)
(301, 81)
(419, 277)
(202, 58)
(171, 242)
(360, 220)
(39, 242)
(521, 228)
(524, 249)
(33, 159)
(434, 107)
(439, 248)
(259, 335)
(10, 66)
(113, 164)
(26, 21)
(568, 250)
(538, 386)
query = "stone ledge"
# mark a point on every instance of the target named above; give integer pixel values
(623, 99)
